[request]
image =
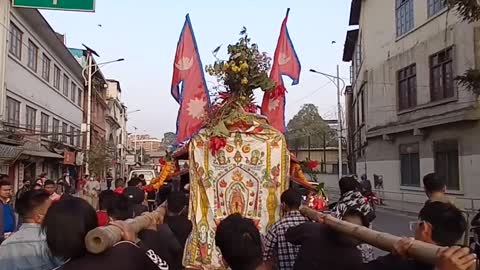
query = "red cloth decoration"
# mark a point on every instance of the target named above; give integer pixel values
(194, 99)
(102, 217)
(312, 164)
(285, 62)
(216, 144)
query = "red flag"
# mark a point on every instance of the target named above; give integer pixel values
(193, 96)
(285, 62)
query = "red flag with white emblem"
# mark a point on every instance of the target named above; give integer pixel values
(193, 93)
(285, 62)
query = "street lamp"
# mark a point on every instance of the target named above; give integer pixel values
(90, 66)
(134, 111)
(336, 81)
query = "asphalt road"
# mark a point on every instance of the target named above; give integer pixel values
(391, 222)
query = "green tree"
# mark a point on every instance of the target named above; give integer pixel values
(169, 138)
(99, 157)
(308, 126)
(469, 11)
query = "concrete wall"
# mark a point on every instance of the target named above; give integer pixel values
(383, 158)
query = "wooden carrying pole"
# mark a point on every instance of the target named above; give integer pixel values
(421, 251)
(100, 239)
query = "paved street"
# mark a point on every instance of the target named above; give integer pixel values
(391, 222)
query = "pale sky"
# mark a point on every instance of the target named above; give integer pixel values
(146, 33)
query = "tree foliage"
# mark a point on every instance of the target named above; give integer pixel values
(468, 10)
(245, 70)
(169, 138)
(99, 157)
(308, 123)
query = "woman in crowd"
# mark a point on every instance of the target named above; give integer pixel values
(68, 242)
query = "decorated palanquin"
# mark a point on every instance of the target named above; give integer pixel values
(246, 176)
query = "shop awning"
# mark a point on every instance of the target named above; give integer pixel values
(9, 153)
(42, 152)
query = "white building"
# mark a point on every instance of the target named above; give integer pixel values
(116, 127)
(41, 97)
(408, 116)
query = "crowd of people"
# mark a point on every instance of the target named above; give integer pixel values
(42, 227)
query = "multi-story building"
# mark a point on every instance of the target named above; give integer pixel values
(407, 116)
(116, 128)
(41, 98)
(99, 106)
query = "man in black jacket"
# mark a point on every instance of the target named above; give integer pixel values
(324, 248)
(438, 223)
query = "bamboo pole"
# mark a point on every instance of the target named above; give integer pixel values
(101, 238)
(421, 251)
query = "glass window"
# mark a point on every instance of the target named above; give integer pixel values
(435, 6)
(16, 36)
(46, 67)
(73, 94)
(64, 132)
(44, 125)
(79, 138)
(13, 112)
(56, 77)
(410, 165)
(55, 129)
(72, 135)
(31, 115)
(80, 97)
(441, 75)
(407, 87)
(404, 16)
(446, 162)
(32, 55)
(66, 85)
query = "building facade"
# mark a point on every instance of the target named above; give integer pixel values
(407, 116)
(116, 128)
(41, 98)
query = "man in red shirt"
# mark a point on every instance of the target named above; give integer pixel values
(119, 186)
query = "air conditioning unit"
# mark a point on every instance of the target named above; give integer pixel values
(83, 127)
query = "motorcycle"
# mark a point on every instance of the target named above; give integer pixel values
(372, 200)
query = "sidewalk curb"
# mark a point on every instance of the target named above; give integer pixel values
(396, 211)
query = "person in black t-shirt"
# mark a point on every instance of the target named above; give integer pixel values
(324, 248)
(176, 217)
(66, 224)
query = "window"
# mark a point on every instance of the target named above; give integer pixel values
(64, 132)
(435, 6)
(31, 115)
(56, 77)
(446, 162)
(55, 129)
(13, 112)
(72, 135)
(46, 67)
(15, 47)
(80, 97)
(79, 138)
(410, 165)
(362, 100)
(358, 56)
(73, 94)
(407, 87)
(404, 16)
(66, 85)
(44, 125)
(441, 75)
(32, 55)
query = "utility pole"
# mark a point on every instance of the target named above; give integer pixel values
(324, 165)
(89, 109)
(309, 147)
(336, 81)
(339, 94)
